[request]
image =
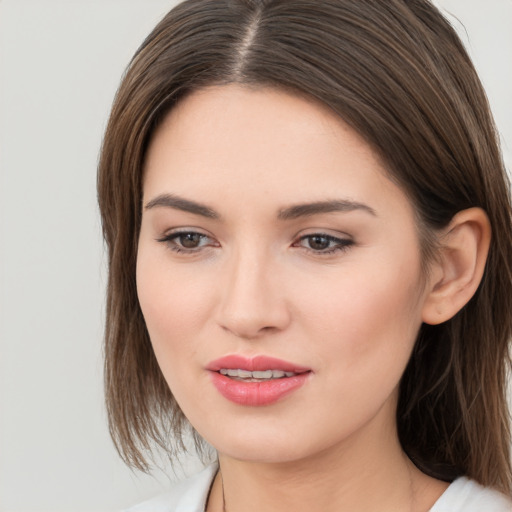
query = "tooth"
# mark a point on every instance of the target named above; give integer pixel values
(267, 374)
(256, 375)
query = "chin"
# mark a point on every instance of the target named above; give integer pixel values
(265, 445)
(264, 453)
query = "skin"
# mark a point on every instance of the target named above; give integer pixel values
(256, 284)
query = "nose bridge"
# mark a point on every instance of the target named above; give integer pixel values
(252, 300)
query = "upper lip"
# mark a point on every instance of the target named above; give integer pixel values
(256, 363)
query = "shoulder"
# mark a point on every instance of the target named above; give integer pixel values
(465, 495)
(186, 496)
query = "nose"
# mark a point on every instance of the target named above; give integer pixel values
(253, 301)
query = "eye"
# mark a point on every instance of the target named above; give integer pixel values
(323, 244)
(187, 241)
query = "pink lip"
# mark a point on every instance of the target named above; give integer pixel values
(254, 364)
(256, 393)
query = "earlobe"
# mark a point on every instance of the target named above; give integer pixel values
(458, 270)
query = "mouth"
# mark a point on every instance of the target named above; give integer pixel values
(256, 381)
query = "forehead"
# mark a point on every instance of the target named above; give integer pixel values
(233, 142)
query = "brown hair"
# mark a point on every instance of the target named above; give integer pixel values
(396, 72)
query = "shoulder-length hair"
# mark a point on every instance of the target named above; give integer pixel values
(397, 73)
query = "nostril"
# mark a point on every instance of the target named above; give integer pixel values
(248, 332)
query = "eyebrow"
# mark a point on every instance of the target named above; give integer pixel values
(289, 213)
(179, 203)
(336, 205)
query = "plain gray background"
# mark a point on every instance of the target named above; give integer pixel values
(60, 64)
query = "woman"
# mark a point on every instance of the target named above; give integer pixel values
(308, 223)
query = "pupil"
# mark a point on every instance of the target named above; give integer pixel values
(318, 242)
(190, 240)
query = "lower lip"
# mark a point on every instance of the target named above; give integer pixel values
(257, 393)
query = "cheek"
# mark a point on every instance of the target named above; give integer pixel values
(365, 322)
(173, 304)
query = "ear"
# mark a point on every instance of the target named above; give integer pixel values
(458, 270)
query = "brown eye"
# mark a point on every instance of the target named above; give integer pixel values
(318, 242)
(322, 243)
(190, 240)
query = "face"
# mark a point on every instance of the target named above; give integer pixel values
(279, 274)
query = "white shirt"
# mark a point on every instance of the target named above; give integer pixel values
(190, 495)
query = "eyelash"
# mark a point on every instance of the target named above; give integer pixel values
(341, 244)
(171, 241)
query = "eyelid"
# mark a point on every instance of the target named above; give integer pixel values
(170, 236)
(329, 233)
(181, 230)
(343, 242)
